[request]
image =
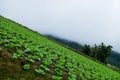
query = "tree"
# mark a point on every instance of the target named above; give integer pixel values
(103, 52)
(86, 49)
(100, 52)
(94, 51)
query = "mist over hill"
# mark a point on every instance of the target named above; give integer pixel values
(114, 59)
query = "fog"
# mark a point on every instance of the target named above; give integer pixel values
(85, 21)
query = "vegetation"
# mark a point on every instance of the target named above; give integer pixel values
(100, 52)
(113, 58)
(1, 49)
(30, 56)
(26, 67)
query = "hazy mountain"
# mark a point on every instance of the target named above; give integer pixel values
(114, 59)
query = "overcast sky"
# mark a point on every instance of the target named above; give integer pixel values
(84, 21)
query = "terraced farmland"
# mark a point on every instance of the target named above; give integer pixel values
(45, 59)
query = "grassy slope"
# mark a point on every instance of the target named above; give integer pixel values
(12, 69)
(113, 59)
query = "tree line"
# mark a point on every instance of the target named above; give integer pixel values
(99, 52)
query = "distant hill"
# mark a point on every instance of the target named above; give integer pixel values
(28, 55)
(113, 59)
(69, 43)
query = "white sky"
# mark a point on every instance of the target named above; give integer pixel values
(84, 21)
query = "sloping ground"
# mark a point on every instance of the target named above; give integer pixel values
(26, 55)
(12, 69)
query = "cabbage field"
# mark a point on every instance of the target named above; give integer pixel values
(46, 58)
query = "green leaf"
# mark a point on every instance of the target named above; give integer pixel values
(1, 49)
(26, 67)
(56, 77)
(39, 71)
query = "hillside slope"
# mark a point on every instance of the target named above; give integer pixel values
(27, 55)
(113, 59)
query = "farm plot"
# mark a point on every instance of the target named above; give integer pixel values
(48, 58)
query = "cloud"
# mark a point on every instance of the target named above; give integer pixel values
(85, 21)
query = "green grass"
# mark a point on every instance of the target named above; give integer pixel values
(40, 58)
